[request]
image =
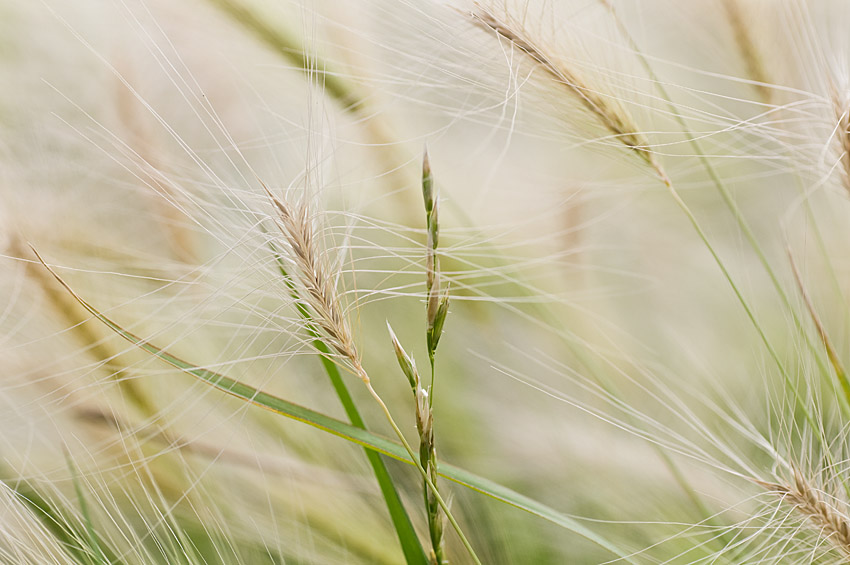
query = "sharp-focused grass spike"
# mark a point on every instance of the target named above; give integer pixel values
(412, 548)
(427, 183)
(326, 309)
(408, 365)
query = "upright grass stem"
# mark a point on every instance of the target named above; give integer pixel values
(427, 446)
(412, 549)
(437, 307)
(733, 207)
(317, 294)
(613, 117)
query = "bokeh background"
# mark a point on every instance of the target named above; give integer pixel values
(595, 357)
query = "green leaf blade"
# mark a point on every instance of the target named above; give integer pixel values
(356, 435)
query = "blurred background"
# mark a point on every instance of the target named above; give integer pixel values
(595, 356)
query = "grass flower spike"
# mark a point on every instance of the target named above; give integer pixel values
(427, 447)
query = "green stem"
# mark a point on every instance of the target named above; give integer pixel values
(750, 314)
(410, 545)
(724, 192)
(431, 388)
(424, 474)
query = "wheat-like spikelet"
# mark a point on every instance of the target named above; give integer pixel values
(606, 109)
(319, 291)
(321, 297)
(823, 516)
(427, 445)
(437, 299)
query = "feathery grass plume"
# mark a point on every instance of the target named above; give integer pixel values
(318, 291)
(606, 109)
(821, 513)
(427, 446)
(321, 297)
(739, 21)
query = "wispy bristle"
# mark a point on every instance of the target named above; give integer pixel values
(832, 524)
(319, 291)
(606, 109)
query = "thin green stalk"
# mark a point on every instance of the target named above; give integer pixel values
(93, 541)
(750, 314)
(348, 432)
(424, 474)
(410, 545)
(431, 362)
(722, 189)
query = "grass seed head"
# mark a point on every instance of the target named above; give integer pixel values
(427, 183)
(840, 99)
(317, 289)
(604, 107)
(823, 515)
(408, 365)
